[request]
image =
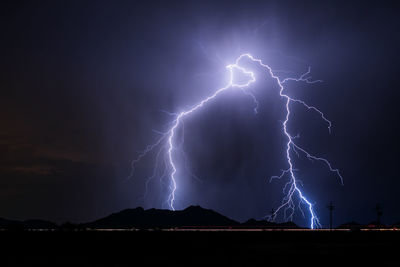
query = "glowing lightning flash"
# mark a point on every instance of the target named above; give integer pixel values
(291, 188)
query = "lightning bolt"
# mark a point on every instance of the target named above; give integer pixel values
(292, 187)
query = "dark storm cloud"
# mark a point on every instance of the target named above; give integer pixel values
(83, 83)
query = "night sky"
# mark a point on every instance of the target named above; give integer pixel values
(84, 86)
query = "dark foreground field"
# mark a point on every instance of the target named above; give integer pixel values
(104, 248)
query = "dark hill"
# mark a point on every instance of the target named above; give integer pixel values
(191, 217)
(155, 218)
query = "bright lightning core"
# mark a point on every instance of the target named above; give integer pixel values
(166, 145)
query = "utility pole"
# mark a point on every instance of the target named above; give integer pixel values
(331, 207)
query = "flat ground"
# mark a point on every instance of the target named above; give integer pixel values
(122, 248)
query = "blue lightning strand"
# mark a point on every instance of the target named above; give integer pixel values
(288, 204)
(196, 107)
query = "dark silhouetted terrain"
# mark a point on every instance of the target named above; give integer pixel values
(247, 244)
(154, 218)
(138, 218)
(192, 217)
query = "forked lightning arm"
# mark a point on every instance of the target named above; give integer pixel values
(288, 203)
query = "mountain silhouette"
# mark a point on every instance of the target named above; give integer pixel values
(191, 217)
(155, 218)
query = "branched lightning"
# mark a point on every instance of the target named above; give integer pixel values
(166, 143)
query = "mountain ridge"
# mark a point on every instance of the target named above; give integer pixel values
(139, 218)
(160, 218)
